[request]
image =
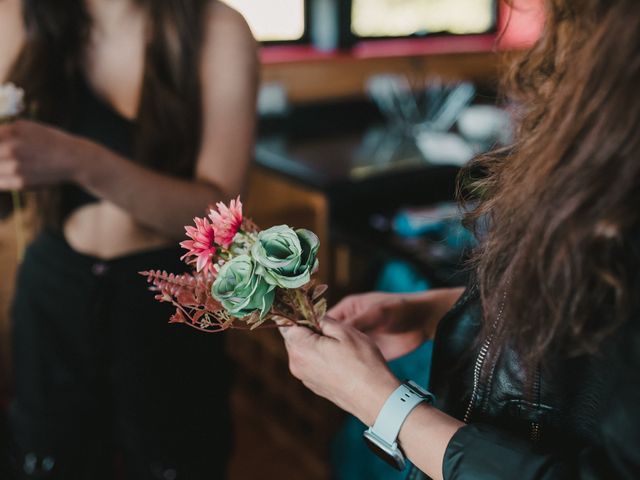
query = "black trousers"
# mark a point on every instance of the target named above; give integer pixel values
(105, 387)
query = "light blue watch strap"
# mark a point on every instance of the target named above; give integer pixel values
(396, 410)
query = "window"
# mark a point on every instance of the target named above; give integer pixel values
(405, 18)
(274, 20)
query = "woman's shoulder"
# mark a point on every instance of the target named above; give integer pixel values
(227, 41)
(225, 23)
(229, 51)
(12, 34)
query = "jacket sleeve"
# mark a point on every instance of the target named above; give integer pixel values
(480, 451)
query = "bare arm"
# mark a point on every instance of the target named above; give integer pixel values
(11, 35)
(344, 366)
(229, 78)
(428, 425)
(432, 304)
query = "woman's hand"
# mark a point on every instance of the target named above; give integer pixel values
(397, 323)
(386, 318)
(33, 154)
(342, 365)
(372, 311)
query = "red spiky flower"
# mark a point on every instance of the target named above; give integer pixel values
(226, 221)
(202, 246)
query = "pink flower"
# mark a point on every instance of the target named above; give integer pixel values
(201, 246)
(226, 221)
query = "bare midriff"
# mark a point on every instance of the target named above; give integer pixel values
(105, 231)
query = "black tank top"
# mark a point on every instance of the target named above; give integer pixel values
(93, 118)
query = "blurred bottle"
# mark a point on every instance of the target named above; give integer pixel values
(325, 30)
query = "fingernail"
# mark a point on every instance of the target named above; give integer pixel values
(283, 330)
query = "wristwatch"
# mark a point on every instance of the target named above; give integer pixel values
(382, 437)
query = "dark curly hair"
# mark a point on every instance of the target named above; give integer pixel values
(562, 205)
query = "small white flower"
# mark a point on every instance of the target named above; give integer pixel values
(11, 101)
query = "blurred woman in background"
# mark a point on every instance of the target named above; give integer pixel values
(141, 114)
(536, 369)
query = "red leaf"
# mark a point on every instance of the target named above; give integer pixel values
(178, 317)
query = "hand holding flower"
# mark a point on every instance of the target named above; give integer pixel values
(342, 365)
(397, 322)
(33, 154)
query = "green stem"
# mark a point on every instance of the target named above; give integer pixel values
(19, 224)
(306, 309)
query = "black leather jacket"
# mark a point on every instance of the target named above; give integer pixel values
(581, 419)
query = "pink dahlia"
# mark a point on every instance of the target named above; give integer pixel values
(226, 221)
(201, 247)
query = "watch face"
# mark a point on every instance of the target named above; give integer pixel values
(392, 456)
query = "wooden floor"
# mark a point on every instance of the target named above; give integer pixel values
(283, 431)
(257, 456)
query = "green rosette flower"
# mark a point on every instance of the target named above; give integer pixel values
(241, 290)
(286, 258)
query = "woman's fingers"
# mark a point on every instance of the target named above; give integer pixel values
(347, 314)
(8, 150)
(300, 343)
(343, 310)
(330, 327)
(11, 178)
(7, 167)
(11, 182)
(296, 334)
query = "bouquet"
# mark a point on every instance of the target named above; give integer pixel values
(243, 277)
(11, 106)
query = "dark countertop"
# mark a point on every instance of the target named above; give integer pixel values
(365, 175)
(374, 168)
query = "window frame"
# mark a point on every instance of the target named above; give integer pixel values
(350, 39)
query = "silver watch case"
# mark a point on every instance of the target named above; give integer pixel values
(389, 453)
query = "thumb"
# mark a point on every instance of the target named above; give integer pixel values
(330, 327)
(341, 311)
(296, 333)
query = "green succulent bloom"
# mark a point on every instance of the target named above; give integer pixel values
(286, 258)
(240, 289)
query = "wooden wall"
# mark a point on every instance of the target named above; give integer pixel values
(323, 79)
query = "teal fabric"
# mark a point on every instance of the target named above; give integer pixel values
(401, 277)
(351, 458)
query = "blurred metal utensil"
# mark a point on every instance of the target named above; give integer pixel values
(455, 102)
